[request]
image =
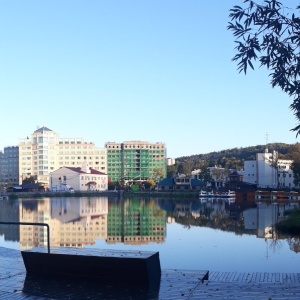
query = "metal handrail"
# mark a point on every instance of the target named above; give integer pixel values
(33, 224)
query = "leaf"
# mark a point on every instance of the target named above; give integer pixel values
(238, 7)
(271, 33)
(250, 64)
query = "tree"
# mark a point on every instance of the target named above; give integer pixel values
(270, 33)
(28, 180)
(295, 156)
(204, 175)
(158, 174)
(294, 244)
(220, 175)
(172, 170)
(188, 167)
(149, 184)
(273, 162)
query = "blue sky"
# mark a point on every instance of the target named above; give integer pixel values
(116, 70)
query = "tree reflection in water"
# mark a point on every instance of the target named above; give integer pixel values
(294, 244)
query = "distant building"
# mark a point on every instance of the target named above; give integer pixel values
(268, 171)
(196, 174)
(236, 182)
(171, 161)
(135, 160)
(44, 152)
(9, 166)
(180, 183)
(80, 179)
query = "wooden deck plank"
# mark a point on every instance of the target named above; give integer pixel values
(277, 277)
(236, 277)
(175, 284)
(255, 277)
(261, 277)
(229, 276)
(270, 277)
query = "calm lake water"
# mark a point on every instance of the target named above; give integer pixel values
(189, 234)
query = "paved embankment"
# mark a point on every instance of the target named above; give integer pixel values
(174, 284)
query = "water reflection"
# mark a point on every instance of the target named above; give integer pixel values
(78, 222)
(81, 222)
(265, 216)
(136, 222)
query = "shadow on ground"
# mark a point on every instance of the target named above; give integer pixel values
(87, 289)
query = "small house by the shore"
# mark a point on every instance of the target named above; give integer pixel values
(180, 183)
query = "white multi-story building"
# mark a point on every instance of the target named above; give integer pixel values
(268, 171)
(44, 152)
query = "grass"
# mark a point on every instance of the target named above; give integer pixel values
(291, 225)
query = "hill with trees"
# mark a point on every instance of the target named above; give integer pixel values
(229, 159)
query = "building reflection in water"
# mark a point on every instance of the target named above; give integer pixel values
(265, 216)
(241, 216)
(211, 210)
(9, 212)
(78, 222)
(136, 222)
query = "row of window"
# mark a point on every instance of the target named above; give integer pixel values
(69, 142)
(80, 234)
(80, 157)
(134, 147)
(80, 152)
(279, 175)
(136, 152)
(79, 164)
(43, 139)
(135, 164)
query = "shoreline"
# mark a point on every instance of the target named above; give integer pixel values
(119, 194)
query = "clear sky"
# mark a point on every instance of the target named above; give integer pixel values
(116, 70)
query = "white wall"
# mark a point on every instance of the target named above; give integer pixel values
(263, 173)
(101, 182)
(68, 177)
(250, 173)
